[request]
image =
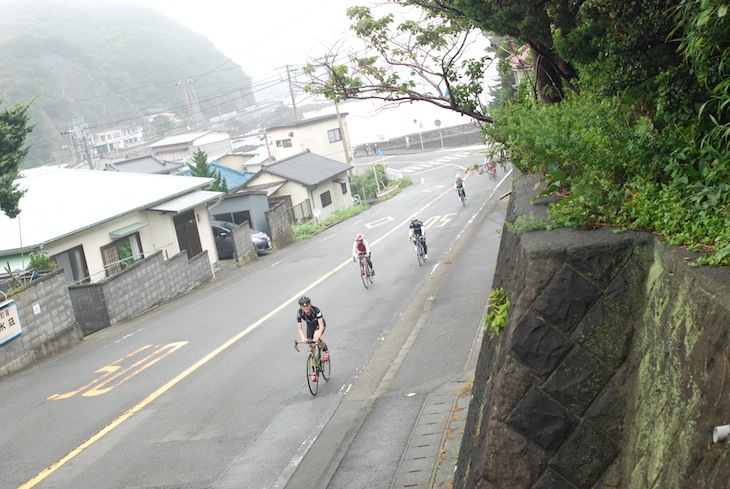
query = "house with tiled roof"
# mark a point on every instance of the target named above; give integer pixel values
(313, 185)
(183, 146)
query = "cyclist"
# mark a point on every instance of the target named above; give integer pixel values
(459, 185)
(361, 246)
(491, 166)
(315, 324)
(416, 229)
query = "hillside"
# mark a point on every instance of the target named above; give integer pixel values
(108, 66)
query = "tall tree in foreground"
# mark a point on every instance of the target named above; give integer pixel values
(14, 127)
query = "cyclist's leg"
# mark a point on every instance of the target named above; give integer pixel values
(318, 332)
(425, 246)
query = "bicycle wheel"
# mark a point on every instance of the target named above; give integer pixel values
(324, 367)
(312, 374)
(463, 199)
(370, 274)
(419, 252)
(364, 273)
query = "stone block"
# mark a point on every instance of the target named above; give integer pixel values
(542, 420)
(577, 381)
(538, 345)
(585, 456)
(552, 480)
(566, 299)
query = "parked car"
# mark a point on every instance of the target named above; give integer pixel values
(222, 232)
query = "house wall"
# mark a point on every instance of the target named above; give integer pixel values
(144, 285)
(158, 235)
(52, 327)
(339, 201)
(312, 137)
(233, 161)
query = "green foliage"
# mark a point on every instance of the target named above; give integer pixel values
(421, 59)
(366, 186)
(14, 128)
(201, 168)
(497, 311)
(40, 261)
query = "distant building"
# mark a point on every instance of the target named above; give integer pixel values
(182, 147)
(117, 140)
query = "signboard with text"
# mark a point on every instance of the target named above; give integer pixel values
(9, 321)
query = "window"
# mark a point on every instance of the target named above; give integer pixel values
(343, 185)
(121, 253)
(334, 135)
(326, 198)
(238, 217)
(283, 143)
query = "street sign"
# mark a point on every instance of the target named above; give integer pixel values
(9, 321)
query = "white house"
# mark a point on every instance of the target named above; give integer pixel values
(183, 146)
(326, 135)
(313, 185)
(93, 224)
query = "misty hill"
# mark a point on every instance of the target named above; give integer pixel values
(109, 65)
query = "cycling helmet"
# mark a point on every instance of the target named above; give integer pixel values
(358, 237)
(414, 218)
(457, 176)
(304, 300)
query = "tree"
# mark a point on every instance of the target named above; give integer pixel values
(14, 127)
(201, 168)
(415, 60)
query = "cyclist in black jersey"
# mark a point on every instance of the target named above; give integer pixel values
(315, 323)
(416, 229)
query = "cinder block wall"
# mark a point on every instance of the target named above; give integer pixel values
(142, 286)
(53, 328)
(611, 371)
(280, 225)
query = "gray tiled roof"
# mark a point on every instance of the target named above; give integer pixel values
(144, 164)
(307, 168)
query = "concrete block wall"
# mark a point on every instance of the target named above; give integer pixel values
(50, 328)
(280, 225)
(611, 371)
(144, 285)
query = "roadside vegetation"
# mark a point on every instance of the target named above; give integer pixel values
(623, 108)
(363, 189)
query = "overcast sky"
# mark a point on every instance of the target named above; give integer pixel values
(266, 35)
(263, 36)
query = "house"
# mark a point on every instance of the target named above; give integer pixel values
(312, 185)
(93, 224)
(183, 146)
(142, 164)
(326, 135)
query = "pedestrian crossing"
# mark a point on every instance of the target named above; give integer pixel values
(437, 162)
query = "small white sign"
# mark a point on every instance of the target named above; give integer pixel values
(9, 321)
(36, 308)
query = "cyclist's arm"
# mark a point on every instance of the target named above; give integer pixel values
(367, 246)
(301, 331)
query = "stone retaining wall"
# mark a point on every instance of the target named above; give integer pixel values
(611, 371)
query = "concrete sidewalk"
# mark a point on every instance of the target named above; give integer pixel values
(429, 460)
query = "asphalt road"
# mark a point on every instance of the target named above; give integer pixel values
(207, 391)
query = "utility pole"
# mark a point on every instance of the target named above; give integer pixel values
(78, 134)
(291, 93)
(189, 98)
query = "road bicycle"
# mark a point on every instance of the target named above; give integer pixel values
(492, 171)
(462, 196)
(366, 273)
(315, 365)
(420, 253)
